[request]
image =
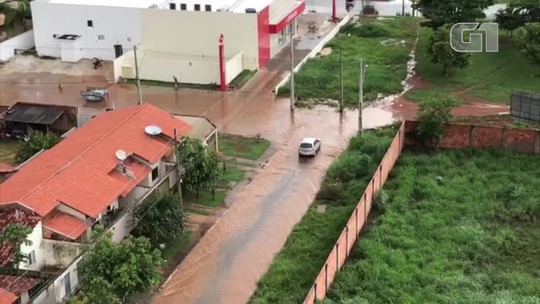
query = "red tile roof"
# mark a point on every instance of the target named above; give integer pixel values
(13, 216)
(17, 285)
(65, 224)
(76, 171)
(5, 168)
(7, 297)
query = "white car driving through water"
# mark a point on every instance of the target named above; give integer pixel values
(309, 146)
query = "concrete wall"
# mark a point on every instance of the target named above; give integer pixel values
(194, 35)
(36, 238)
(68, 210)
(234, 66)
(59, 254)
(23, 41)
(117, 25)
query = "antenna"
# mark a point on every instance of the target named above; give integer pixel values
(152, 130)
(121, 155)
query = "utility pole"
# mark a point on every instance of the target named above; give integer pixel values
(137, 74)
(291, 78)
(178, 169)
(402, 7)
(341, 80)
(362, 74)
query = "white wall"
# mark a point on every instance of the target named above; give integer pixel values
(68, 210)
(59, 253)
(23, 41)
(59, 283)
(118, 26)
(122, 227)
(234, 66)
(280, 8)
(36, 237)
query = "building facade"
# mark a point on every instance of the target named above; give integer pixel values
(176, 38)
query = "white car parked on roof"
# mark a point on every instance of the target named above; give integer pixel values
(309, 146)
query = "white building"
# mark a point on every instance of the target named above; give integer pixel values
(175, 37)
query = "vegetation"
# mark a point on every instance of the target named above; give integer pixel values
(243, 78)
(242, 147)
(460, 227)
(384, 45)
(16, 15)
(432, 117)
(203, 168)
(8, 150)
(11, 239)
(119, 270)
(36, 142)
(440, 52)
(489, 76)
(294, 269)
(528, 40)
(442, 13)
(161, 220)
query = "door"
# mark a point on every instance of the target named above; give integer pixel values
(118, 51)
(67, 285)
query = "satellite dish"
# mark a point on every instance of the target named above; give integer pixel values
(121, 155)
(152, 130)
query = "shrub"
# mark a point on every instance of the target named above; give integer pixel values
(382, 200)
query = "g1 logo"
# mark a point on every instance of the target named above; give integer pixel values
(475, 43)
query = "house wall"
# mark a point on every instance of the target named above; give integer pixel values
(60, 287)
(68, 210)
(36, 238)
(233, 67)
(23, 41)
(118, 25)
(190, 49)
(59, 254)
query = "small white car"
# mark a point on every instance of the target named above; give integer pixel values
(309, 146)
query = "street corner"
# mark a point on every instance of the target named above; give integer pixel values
(30, 65)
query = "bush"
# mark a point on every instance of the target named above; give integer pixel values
(35, 142)
(382, 199)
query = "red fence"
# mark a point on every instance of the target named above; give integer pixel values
(455, 136)
(348, 236)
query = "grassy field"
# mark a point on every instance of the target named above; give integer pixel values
(297, 264)
(8, 149)
(472, 237)
(242, 147)
(319, 77)
(490, 77)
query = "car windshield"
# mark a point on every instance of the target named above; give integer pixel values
(305, 145)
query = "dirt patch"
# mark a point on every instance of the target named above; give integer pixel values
(325, 52)
(34, 64)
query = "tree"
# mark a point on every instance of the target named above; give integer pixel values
(11, 240)
(36, 142)
(202, 166)
(441, 12)
(96, 290)
(528, 40)
(528, 9)
(161, 220)
(130, 267)
(509, 19)
(440, 52)
(431, 119)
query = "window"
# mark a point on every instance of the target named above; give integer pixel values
(32, 257)
(90, 23)
(172, 6)
(155, 173)
(208, 8)
(197, 7)
(183, 6)
(282, 37)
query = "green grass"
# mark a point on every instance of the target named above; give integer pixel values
(474, 237)
(205, 198)
(198, 211)
(294, 269)
(490, 76)
(233, 174)
(170, 84)
(8, 149)
(243, 77)
(242, 147)
(319, 77)
(176, 246)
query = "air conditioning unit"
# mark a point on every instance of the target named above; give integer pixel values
(223, 9)
(153, 6)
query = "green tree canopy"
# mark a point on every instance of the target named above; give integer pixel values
(432, 116)
(528, 40)
(202, 166)
(161, 220)
(509, 19)
(11, 240)
(449, 12)
(96, 290)
(130, 267)
(440, 52)
(36, 142)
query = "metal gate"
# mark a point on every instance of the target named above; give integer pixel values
(525, 107)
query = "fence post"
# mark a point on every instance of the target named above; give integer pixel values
(325, 278)
(380, 174)
(337, 256)
(365, 207)
(315, 290)
(356, 216)
(347, 238)
(536, 148)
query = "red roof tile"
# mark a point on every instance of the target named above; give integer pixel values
(65, 224)
(8, 217)
(7, 297)
(76, 171)
(17, 285)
